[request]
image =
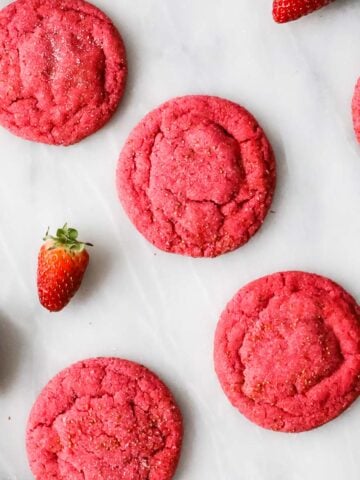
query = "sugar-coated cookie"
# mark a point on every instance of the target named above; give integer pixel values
(287, 351)
(356, 110)
(197, 176)
(62, 69)
(104, 419)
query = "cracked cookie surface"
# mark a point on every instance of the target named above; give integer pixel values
(287, 351)
(104, 419)
(197, 176)
(62, 70)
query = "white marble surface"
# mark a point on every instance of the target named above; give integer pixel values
(161, 309)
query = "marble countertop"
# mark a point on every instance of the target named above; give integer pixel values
(160, 309)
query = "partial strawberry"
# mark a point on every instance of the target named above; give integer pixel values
(289, 10)
(62, 262)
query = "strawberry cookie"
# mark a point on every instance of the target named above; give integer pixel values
(104, 419)
(356, 110)
(287, 351)
(197, 176)
(62, 70)
(289, 10)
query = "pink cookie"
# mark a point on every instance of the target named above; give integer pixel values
(197, 176)
(104, 419)
(356, 110)
(287, 351)
(62, 69)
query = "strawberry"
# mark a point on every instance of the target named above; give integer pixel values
(289, 10)
(62, 262)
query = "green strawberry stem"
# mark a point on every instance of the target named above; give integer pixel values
(66, 237)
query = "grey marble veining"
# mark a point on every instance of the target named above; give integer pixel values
(160, 309)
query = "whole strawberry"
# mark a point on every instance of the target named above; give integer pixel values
(62, 262)
(289, 10)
